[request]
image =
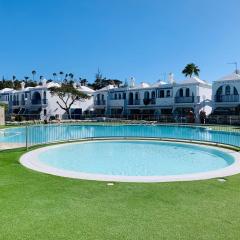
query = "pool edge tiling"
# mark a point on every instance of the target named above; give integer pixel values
(31, 161)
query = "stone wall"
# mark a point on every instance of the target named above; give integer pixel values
(2, 116)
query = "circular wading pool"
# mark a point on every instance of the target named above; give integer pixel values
(133, 161)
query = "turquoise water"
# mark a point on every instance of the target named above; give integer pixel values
(51, 133)
(135, 158)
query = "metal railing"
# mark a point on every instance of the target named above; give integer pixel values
(37, 134)
(39, 101)
(184, 99)
(166, 118)
(15, 103)
(137, 102)
(226, 98)
(100, 102)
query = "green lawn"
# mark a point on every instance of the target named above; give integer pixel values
(39, 206)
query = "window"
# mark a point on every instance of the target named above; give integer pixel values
(181, 92)
(102, 97)
(130, 99)
(136, 95)
(153, 95)
(219, 91)
(235, 92)
(146, 95)
(124, 95)
(45, 112)
(187, 92)
(168, 93)
(227, 90)
(115, 96)
(161, 94)
(119, 96)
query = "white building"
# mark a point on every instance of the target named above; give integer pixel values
(225, 94)
(38, 103)
(160, 98)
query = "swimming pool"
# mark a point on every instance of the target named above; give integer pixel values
(133, 161)
(52, 133)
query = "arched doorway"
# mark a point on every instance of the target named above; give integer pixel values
(130, 98)
(36, 98)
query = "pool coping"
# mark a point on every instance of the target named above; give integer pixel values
(30, 160)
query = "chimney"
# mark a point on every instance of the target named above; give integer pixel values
(22, 85)
(132, 82)
(171, 78)
(44, 82)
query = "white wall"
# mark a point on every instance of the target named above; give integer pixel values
(2, 116)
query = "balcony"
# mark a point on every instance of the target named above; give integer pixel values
(15, 103)
(226, 98)
(153, 101)
(39, 101)
(134, 102)
(148, 101)
(137, 102)
(184, 99)
(99, 102)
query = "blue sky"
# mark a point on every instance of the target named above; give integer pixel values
(140, 38)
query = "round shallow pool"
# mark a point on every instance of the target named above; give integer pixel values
(133, 160)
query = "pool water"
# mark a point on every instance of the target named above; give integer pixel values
(52, 133)
(135, 158)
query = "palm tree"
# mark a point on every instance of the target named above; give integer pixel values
(54, 76)
(61, 74)
(66, 77)
(13, 79)
(71, 75)
(26, 78)
(33, 73)
(191, 69)
(83, 82)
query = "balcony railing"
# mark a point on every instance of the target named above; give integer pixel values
(15, 103)
(39, 101)
(153, 101)
(226, 98)
(148, 101)
(137, 102)
(99, 102)
(134, 102)
(184, 99)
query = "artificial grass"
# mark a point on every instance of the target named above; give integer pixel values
(40, 206)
